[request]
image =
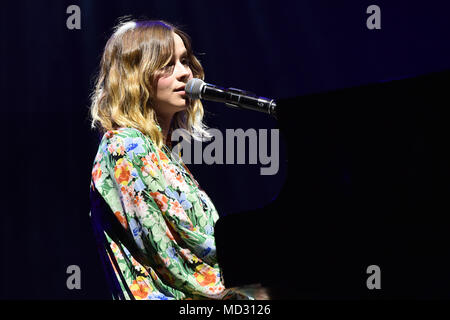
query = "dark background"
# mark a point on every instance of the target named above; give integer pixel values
(275, 49)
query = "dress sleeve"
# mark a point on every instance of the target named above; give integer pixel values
(167, 221)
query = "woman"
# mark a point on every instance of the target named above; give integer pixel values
(138, 101)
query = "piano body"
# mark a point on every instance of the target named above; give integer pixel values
(368, 183)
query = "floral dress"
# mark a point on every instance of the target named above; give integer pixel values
(170, 218)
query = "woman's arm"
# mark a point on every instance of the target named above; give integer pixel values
(167, 224)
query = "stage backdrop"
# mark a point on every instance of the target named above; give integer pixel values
(276, 49)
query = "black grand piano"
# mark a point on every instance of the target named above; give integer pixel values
(368, 184)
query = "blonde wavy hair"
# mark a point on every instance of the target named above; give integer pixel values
(134, 58)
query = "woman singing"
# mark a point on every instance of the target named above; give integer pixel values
(138, 101)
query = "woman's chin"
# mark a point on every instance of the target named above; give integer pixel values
(182, 107)
(185, 105)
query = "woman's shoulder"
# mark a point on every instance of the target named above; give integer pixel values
(124, 132)
(126, 135)
(126, 139)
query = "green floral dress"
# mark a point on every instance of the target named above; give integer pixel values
(171, 219)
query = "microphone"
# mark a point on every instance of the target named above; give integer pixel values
(236, 98)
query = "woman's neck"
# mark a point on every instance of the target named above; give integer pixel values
(165, 124)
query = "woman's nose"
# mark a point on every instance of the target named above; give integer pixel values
(183, 71)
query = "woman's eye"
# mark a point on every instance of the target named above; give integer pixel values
(168, 66)
(171, 64)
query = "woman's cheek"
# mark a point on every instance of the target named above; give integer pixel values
(163, 85)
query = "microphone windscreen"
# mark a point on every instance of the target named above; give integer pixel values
(193, 88)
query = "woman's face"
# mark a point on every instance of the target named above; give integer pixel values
(170, 95)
